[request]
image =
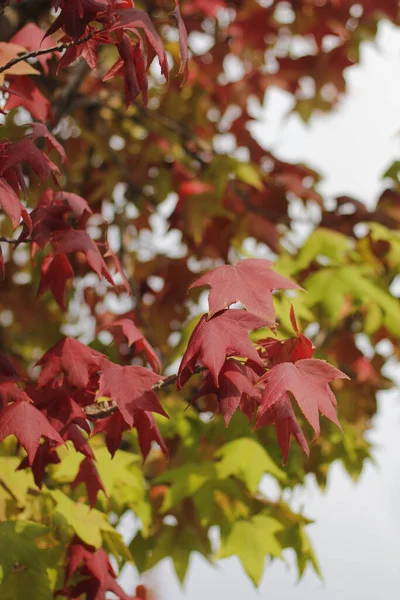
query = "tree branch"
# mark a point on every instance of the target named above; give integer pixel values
(101, 410)
(15, 242)
(35, 53)
(63, 100)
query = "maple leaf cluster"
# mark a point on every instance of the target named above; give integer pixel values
(95, 567)
(257, 377)
(72, 377)
(67, 74)
(260, 384)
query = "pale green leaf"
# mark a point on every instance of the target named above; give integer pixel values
(87, 523)
(251, 541)
(248, 460)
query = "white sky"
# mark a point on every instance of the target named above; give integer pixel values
(357, 525)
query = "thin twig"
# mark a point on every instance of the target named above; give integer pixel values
(36, 53)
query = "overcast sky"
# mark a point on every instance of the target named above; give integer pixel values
(357, 525)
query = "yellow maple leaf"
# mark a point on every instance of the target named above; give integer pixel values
(7, 53)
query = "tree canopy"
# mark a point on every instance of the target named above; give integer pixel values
(168, 335)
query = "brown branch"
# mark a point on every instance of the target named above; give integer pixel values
(15, 242)
(35, 53)
(101, 410)
(63, 101)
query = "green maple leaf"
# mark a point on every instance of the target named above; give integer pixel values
(246, 459)
(251, 541)
(179, 543)
(185, 481)
(87, 523)
(27, 564)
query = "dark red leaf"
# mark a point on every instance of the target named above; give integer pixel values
(235, 381)
(75, 360)
(26, 151)
(30, 36)
(25, 93)
(147, 432)
(74, 434)
(110, 254)
(113, 428)
(183, 43)
(45, 455)
(281, 414)
(135, 336)
(249, 281)
(56, 270)
(73, 240)
(134, 18)
(76, 14)
(213, 339)
(131, 389)
(14, 419)
(7, 369)
(89, 475)
(10, 392)
(97, 570)
(78, 205)
(308, 381)
(39, 130)
(10, 203)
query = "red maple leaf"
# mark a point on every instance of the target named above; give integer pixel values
(249, 281)
(113, 428)
(131, 389)
(213, 339)
(236, 380)
(56, 270)
(30, 36)
(76, 14)
(74, 240)
(74, 434)
(88, 50)
(77, 204)
(183, 44)
(45, 455)
(45, 220)
(290, 350)
(89, 475)
(281, 415)
(308, 381)
(39, 130)
(10, 392)
(134, 18)
(75, 360)
(7, 369)
(135, 336)
(26, 151)
(51, 214)
(97, 570)
(28, 424)
(59, 407)
(147, 432)
(10, 203)
(113, 258)
(26, 94)
(131, 66)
